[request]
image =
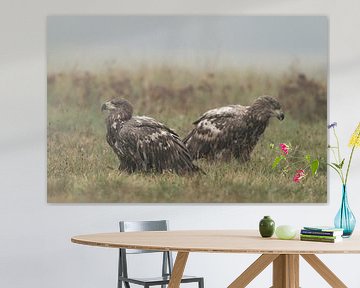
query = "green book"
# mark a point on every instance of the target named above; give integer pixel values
(325, 240)
(319, 236)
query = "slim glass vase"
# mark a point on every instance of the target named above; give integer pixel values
(345, 219)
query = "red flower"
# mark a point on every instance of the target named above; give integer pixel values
(300, 174)
(284, 148)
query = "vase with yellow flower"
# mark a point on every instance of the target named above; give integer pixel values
(344, 218)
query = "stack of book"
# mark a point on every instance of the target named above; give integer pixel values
(321, 234)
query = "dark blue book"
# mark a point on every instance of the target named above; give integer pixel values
(322, 231)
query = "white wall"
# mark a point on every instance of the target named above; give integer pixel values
(35, 248)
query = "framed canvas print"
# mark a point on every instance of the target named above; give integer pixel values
(187, 109)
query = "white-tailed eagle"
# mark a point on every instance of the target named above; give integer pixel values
(143, 144)
(232, 131)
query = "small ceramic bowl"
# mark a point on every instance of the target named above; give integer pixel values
(285, 232)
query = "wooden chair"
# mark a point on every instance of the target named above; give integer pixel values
(167, 262)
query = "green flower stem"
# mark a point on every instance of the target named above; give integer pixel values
(337, 171)
(339, 160)
(338, 146)
(333, 152)
(348, 167)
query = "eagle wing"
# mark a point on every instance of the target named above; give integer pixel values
(213, 129)
(226, 111)
(149, 145)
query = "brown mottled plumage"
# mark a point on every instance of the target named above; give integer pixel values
(143, 144)
(232, 131)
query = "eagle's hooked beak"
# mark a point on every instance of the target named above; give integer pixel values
(108, 105)
(279, 114)
(104, 107)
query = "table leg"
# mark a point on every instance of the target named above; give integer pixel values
(253, 270)
(286, 271)
(324, 271)
(178, 270)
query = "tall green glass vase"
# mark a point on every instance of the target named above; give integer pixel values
(345, 219)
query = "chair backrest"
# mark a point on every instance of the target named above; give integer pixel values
(134, 226)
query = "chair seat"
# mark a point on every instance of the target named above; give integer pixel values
(158, 280)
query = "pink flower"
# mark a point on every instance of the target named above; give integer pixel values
(300, 174)
(284, 148)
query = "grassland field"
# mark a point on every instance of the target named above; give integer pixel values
(83, 168)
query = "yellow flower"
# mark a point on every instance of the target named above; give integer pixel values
(355, 138)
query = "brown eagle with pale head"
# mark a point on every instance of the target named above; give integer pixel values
(143, 144)
(232, 131)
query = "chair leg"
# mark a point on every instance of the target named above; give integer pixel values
(201, 283)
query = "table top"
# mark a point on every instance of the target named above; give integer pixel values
(217, 241)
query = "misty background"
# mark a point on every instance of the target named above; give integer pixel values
(261, 42)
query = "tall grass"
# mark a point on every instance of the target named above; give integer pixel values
(83, 168)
